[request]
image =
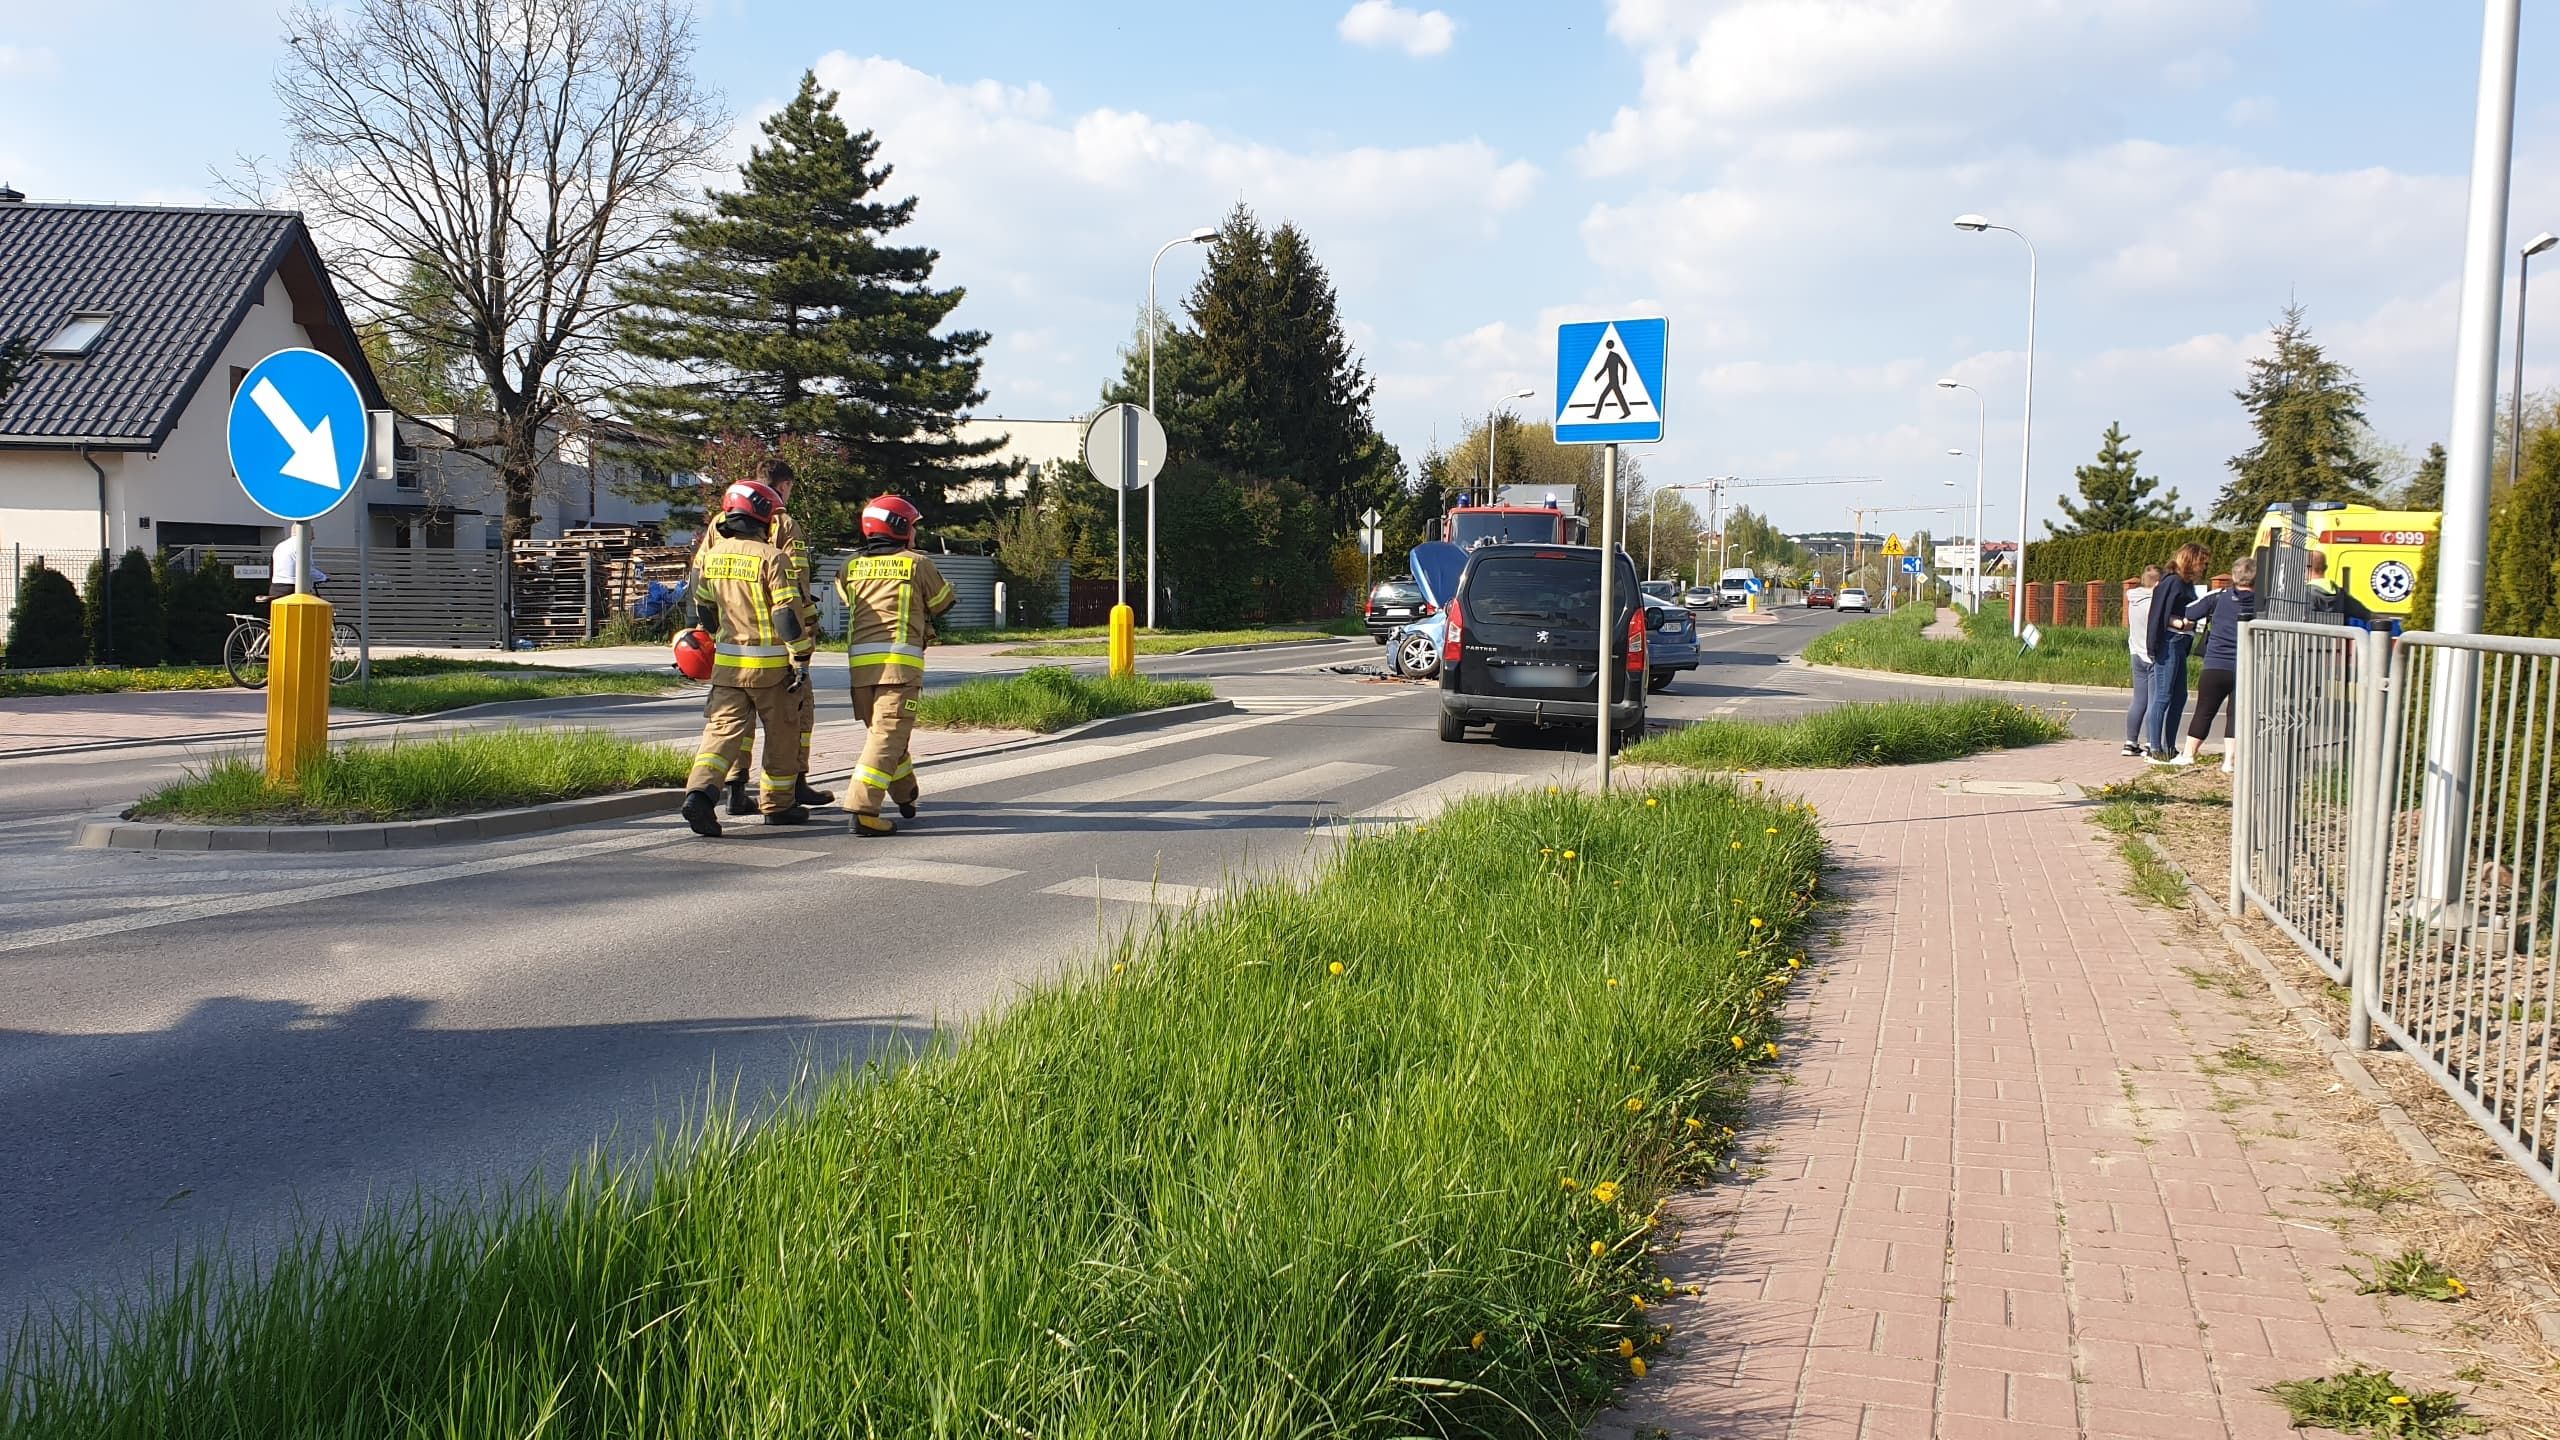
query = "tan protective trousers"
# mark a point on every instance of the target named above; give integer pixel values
(805, 720)
(730, 718)
(888, 714)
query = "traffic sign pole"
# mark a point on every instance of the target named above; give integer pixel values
(1608, 588)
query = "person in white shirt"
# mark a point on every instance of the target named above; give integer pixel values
(284, 572)
(2137, 629)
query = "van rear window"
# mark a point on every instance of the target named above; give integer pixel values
(1543, 586)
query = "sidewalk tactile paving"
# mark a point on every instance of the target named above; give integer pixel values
(2000, 1199)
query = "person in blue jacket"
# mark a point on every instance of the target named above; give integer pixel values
(2221, 614)
(2173, 639)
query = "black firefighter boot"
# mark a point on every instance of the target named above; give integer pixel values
(702, 813)
(810, 795)
(741, 803)
(788, 815)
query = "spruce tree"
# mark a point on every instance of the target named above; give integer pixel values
(2115, 495)
(2308, 411)
(2426, 488)
(786, 310)
(2524, 547)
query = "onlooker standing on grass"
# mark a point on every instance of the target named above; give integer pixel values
(2137, 638)
(2173, 639)
(2222, 613)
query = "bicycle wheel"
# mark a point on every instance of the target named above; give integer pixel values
(244, 654)
(342, 654)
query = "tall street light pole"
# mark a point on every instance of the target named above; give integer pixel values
(1981, 433)
(1201, 236)
(2462, 539)
(1493, 429)
(2027, 428)
(2515, 414)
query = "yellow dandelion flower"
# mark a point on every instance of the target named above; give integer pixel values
(1770, 1049)
(1650, 802)
(1606, 1192)
(1695, 1123)
(2458, 1287)
(1636, 1365)
(1546, 849)
(1571, 1184)
(1772, 830)
(1666, 1289)
(1334, 969)
(1635, 1104)
(1737, 844)
(1795, 962)
(1553, 790)
(1613, 982)
(1476, 1342)
(2399, 1399)
(1598, 1249)
(1119, 965)
(1757, 922)
(1568, 854)
(1637, 1300)
(1626, 1349)
(1740, 1044)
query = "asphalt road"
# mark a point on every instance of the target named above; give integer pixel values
(195, 1047)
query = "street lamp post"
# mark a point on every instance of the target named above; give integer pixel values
(1492, 429)
(2515, 415)
(1981, 433)
(2027, 427)
(1201, 236)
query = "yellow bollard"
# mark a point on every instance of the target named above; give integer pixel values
(1124, 641)
(297, 684)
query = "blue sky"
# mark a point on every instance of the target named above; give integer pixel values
(1774, 175)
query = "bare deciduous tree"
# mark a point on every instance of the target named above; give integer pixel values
(523, 150)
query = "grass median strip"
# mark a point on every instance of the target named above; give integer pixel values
(428, 694)
(1050, 697)
(1894, 642)
(1894, 732)
(419, 779)
(1379, 1156)
(1170, 642)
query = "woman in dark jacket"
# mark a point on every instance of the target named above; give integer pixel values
(2173, 639)
(2221, 613)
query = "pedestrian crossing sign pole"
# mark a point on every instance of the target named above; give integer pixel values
(1610, 383)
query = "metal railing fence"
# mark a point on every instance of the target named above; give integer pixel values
(2431, 896)
(2291, 793)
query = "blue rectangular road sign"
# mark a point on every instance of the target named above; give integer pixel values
(1910, 564)
(1609, 381)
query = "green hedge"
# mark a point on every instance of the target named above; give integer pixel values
(2122, 554)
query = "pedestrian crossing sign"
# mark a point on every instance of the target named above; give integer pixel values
(1893, 547)
(1609, 381)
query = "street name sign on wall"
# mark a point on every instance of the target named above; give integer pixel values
(297, 434)
(1610, 381)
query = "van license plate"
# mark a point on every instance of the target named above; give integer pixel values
(1539, 677)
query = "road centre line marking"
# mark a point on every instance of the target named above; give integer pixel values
(1131, 892)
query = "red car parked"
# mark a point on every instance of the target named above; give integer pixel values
(1818, 598)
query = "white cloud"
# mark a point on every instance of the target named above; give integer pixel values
(26, 60)
(1384, 25)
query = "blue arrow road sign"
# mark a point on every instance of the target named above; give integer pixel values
(1609, 381)
(1752, 585)
(297, 434)
(1910, 564)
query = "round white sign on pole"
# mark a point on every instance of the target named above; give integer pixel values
(1119, 436)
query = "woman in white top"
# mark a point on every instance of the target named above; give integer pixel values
(2137, 630)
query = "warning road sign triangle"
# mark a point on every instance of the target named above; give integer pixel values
(1611, 387)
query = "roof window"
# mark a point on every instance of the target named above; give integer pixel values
(78, 336)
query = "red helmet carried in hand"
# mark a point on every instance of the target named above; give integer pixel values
(752, 498)
(694, 654)
(890, 517)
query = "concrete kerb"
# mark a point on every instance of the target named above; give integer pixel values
(117, 833)
(1962, 682)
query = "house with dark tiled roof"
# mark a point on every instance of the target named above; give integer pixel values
(144, 320)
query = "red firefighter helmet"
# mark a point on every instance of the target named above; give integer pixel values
(890, 517)
(752, 498)
(694, 654)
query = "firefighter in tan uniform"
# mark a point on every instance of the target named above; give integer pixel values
(891, 596)
(751, 602)
(777, 475)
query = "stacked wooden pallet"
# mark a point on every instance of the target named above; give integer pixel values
(567, 589)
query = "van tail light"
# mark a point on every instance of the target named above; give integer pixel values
(1635, 642)
(1450, 639)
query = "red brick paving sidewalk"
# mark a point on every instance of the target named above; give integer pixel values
(2000, 1200)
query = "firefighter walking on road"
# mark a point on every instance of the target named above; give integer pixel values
(777, 474)
(891, 596)
(751, 601)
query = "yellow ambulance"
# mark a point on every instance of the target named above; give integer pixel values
(2373, 553)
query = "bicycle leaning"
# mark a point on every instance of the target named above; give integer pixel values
(244, 654)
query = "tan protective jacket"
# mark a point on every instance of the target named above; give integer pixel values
(787, 539)
(890, 602)
(748, 581)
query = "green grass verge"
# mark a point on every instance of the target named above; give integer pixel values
(1050, 697)
(1894, 732)
(1296, 1166)
(1893, 642)
(1172, 642)
(428, 694)
(535, 682)
(416, 779)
